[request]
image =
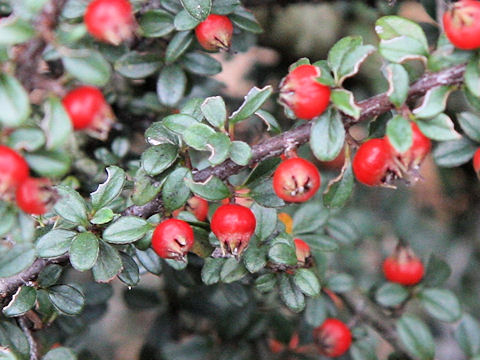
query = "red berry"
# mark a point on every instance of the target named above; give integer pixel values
(14, 169)
(215, 32)
(233, 225)
(197, 206)
(88, 110)
(110, 21)
(373, 163)
(333, 338)
(303, 94)
(462, 24)
(403, 267)
(34, 196)
(302, 250)
(420, 148)
(296, 180)
(476, 162)
(172, 239)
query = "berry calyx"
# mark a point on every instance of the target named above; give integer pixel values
(462, 24)
(88, 110)
(476, 162)
(14, 170)
(197, 206)
(296, 180)
(233, 225)
(110, 21)
(302, 250)
(173, 239)
(35, 196)
(333, 338)
(373, 163)
(303, 94)
(403, 267)
(215, 32)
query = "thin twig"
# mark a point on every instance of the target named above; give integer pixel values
(24, 325)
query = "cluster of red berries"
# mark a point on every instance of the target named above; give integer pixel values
(377, 162)
(32, 195)
(462, 24)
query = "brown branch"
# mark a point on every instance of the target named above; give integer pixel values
(25, 326)
(371, 108)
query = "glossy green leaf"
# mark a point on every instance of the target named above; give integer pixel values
(342, 230)
(130, 274)
(316, 311)
(470, 124)
(399, 132)
(158, 134)
(398, 84)
(150, 261)
(22, 301)
(281, 253)
(54, 164)
(440, 128)
(215, 111)
(224, 7)
(171, 85)
(200, 63)
(232, 270)
(212, 189)
(175, 192)
(136, 65)
(472, 77)
(60, 353)
(57, 124)
(433, 103)
(184, 21)
(219, 145)
(309, 218)
(266, 283)
(255, 257)
(179, 123)
(340, 190)
(110, 189)
(264, 195)
(14, 30)
(177, 46)
(14, 102)
(30, 139)
(262, 171)
(71, 206)
(125, 230)
(84, 251)
(66, 299)
(145, 188)
(108, 264)
(12, 337)
(344, 101)
(240, 153)
(266, 221)
(49, 275)
(253, 101)
(340, 283)
(442, 304)
(319, 242)
(16, 259)
(454, 153)
(291, 294)
(156, 23)
(327, 135)
(245, 20)
(8, 216)
(391, 294)
(437, 272)
(307, 282)
(89, 67)
(270, 121)
(211, 270)
(198, 9)
(158, 158)
(54, 243)
(467, 335)
(416, 337)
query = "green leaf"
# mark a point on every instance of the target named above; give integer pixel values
(212, 189)
(255, 257)
(14, 102)
(136, 65)
(446, 55)
(320, 243)
(364, 349)
(265, 283)
(110, 189)
(398, 84)
(470, 124)
(401, 39)
(245, 20)
(346, 56)
(108, 264)
(340, 190)
(467, 335)
(433, 103)
(60, 353)
(266, 221)
(11, 337)
(472, 77)
(30, 139)
(89, 67)
(145, 188)
(309, 218)
(49, 275)
(224, 7)
(214, 110)
(125, 230)
(326, 77)
(177, 46)
(316, 311)
(49, 163)
(56, 123)
(150, 261)
(17, 259)
(307, 282)
(391, 295)
(327, 135)
(54, 243)
(442, 304)
(416, 337)
(270, 121)
(130, 274)
(440, 128)
(344, 101)
(179, 123)
(184, 21)
(84, 251)
(211, 270)
(253, 101)
(71, 206)
(156, 23)
(158, 158)
(232, 271)
(342, 230)
(262, 171)
(8, 216)
(281, 253)
(291, 294)
(399, 132)
(102, 216)
(22, 301)
(175, 191)
(171, 85)
(240, 153)
(66, 299)
(454, 153)
(340, 283)
(14, 30)
(158, 134)
(438, 271)
(264, 195)
(201, 64)
(198, 9)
